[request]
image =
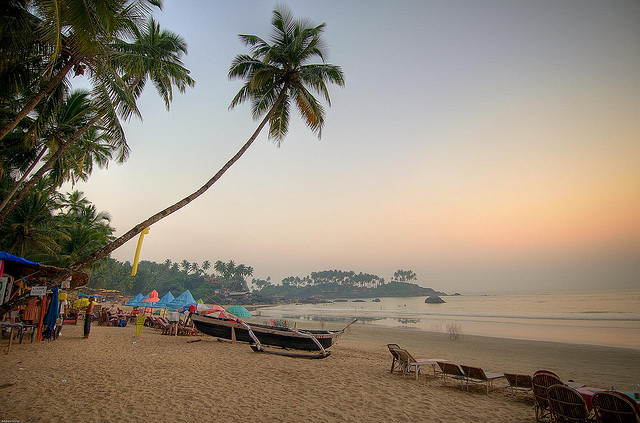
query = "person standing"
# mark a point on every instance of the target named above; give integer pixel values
(174, 320)
(87, 318)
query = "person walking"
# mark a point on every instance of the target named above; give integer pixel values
(87, 318)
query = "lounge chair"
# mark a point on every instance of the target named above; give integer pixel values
(541, 382)
(567, 405)
(408, 362)
(519, 382)
(453, 371)
(613, 406)
(396, 364)
(478, 375)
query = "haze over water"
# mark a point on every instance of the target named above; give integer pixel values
(608, 318)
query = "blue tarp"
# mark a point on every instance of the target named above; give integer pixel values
(168, 297)
(52, 314)
(182, 300)
(11, 257)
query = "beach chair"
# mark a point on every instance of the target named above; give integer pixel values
(567, 405)
(541, 381)
(451, 370)
(478, 375)
(408, 362)
(187, 330)
(615, 407)
(543, 371)
(519, 382)
(396, 363)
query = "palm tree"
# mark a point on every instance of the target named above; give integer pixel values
(276, 74)
(77, 35)
(186, 265)
(155, 55)
(206, 265)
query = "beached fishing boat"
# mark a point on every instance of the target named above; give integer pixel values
(259, 335)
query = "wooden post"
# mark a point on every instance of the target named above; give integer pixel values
(233, 335)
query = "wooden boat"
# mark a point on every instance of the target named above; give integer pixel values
(258, 335)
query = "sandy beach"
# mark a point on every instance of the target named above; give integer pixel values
(116, 376)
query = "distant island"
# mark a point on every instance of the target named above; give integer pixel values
(332, 291)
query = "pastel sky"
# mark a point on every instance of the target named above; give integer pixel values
(486, 145)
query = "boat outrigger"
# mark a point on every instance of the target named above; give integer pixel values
(260, 335)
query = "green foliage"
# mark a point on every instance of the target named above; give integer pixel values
(277, 74)
(404, 275)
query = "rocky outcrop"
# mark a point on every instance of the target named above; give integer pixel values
(434, 299)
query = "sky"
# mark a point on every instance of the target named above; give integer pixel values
(485, 145)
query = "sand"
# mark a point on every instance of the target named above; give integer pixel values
(117, 377)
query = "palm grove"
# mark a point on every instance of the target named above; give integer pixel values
(52, 134)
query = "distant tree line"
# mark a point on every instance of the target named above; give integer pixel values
(226, 276)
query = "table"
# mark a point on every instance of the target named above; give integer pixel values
(12, 327)
(587, 393)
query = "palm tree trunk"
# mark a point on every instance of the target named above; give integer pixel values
(24, 176)
(36, 99)
(46, 167)
(92, 258)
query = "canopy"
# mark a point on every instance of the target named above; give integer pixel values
(138, 303)
(239, 311)
(133, 302)
(35, 273)
(168, 297)
(16, 259)
(181, 300)
(152, 297)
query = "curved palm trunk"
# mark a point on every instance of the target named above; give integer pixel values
(22, 179)
(45, 168)
(36, 99)
(180, 204)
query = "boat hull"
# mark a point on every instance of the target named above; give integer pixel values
(267, 335)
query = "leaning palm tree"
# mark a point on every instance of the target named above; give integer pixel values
(276, 74)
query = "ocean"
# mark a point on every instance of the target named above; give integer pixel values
(606, 317)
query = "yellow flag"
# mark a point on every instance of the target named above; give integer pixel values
(140, 323)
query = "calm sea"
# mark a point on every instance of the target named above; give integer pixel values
(610, 318)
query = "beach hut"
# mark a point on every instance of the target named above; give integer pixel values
(182, 300)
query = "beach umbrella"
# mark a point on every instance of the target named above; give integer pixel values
(239, 311)
(139, 302)
(184, 299)
(134, 301)
(151, 298)
(168, 297)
